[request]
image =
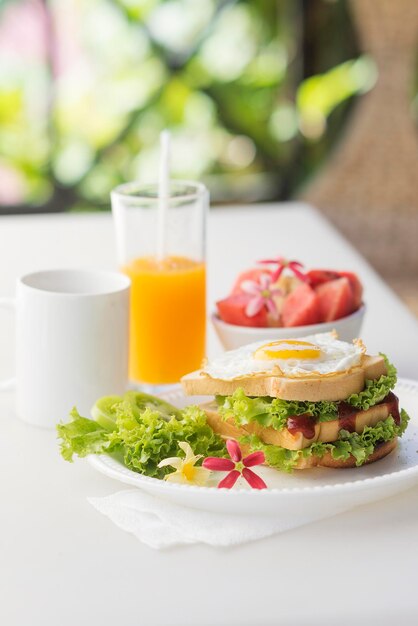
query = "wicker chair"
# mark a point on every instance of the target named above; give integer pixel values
(369, 188)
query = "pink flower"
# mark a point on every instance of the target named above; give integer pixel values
(262, 296)
(282, 264)
(237, 466)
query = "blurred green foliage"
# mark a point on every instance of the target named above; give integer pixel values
(86, 90)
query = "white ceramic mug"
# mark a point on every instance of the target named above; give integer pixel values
(71, 342)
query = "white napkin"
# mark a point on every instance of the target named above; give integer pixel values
(160, 524)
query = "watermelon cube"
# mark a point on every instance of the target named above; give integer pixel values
(335, 299)
(301, 307)
(232, 311)
(318, 277)
(356, 288)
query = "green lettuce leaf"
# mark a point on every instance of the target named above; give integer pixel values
(82, 436)
(271, 411)
(361, 446)
(144, 430)
(375, 390)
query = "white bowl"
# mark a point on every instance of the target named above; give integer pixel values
(232, 336)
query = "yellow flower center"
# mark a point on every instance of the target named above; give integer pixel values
(188, 470)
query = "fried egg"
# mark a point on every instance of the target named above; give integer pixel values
(319, 355)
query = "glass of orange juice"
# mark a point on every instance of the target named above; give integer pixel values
(168, 292)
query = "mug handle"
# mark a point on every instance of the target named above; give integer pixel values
(7, 303)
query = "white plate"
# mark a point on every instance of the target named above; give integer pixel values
(319, 491)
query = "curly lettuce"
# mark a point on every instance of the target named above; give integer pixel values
(375, 390)
(272, 412)
(82, 436)
(143, 431)
(361, 446)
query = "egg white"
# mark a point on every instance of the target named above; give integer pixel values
(336, 357)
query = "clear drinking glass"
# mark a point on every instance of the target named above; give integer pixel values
(168, 292)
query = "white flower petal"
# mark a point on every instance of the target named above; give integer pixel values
(254, 306)
(174, 461)
(265, 280)
(201, 476)
(251, 287)
(187, 450)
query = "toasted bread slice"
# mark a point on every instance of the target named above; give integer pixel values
(312, 389)
(326, 432)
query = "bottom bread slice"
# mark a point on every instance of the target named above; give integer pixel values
(381, 450)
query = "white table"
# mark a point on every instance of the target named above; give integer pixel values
(61, 563)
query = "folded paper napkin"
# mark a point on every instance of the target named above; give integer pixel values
(160, 524)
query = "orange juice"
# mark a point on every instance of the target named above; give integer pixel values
(167, 318)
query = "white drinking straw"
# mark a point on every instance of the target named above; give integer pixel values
(163, 192)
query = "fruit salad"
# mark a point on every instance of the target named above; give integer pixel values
(281, 293)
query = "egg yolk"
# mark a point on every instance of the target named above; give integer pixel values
(287, 349)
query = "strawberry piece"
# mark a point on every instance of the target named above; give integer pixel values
(356, 288)
(253, 274)
(232, 311)
(301, 307)
(318, 277)
(335, 299)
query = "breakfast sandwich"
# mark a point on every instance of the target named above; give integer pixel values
(304, 402)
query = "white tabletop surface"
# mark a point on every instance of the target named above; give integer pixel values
(62, 563)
